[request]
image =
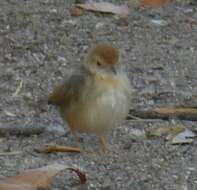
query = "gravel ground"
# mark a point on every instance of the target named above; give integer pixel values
(40, 43)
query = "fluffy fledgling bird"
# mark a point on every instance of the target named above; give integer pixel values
(96, 97)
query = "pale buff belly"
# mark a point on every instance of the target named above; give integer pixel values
(100, 114)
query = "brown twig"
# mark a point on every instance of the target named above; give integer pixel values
(183, 113)
(57, 148)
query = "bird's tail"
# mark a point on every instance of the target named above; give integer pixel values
(57, 97)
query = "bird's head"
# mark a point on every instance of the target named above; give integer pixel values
(103, 59)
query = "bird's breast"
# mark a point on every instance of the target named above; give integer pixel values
(103, 107)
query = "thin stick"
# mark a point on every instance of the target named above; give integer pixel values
(10, 153)
(57, 148)
(184, 113)
(18, 89)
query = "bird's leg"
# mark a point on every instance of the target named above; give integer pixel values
(77, 138)
(103, 144)
(79, 144)
(75, 135)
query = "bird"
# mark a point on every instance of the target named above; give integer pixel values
(95, 97)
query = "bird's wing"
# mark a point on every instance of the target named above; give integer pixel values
(70, 90)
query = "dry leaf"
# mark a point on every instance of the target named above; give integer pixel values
(76, 11)
(57, 148)
(147, 3)
(40, 178)
(81, 175)
(176, 135)
(106, 7)
(165, 131)
(152, 3)
(185, 137)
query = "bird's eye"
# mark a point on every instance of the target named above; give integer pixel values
(98, 63)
